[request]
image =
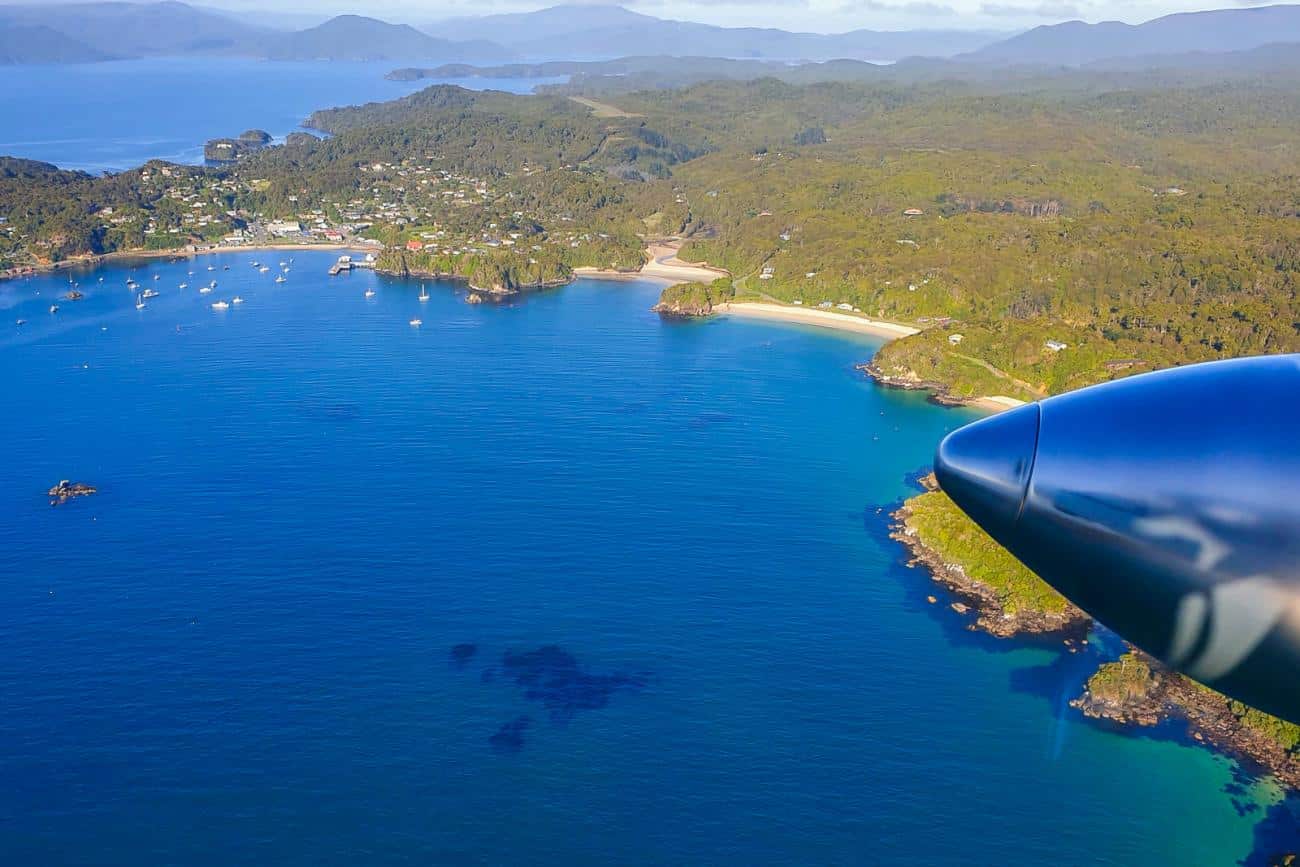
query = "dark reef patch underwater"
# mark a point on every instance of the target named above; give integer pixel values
(553, 677)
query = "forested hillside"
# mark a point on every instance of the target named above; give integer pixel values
(1140, 227)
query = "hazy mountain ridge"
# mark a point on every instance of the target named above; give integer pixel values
(36, 43)
(86, 32)
(1076, 43)
(603, 32)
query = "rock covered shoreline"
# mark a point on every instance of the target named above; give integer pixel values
(939, 392)
(991, 615)
(1135, 691)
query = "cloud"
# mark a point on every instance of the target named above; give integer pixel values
(1045, 9)
(915, 7)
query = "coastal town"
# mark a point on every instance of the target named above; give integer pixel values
(415, 206)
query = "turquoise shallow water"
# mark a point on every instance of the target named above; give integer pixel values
(240, 650)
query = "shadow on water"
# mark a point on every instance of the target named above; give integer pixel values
(552, 677)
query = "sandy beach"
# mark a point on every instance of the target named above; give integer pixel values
(820, 318)
(662, 264)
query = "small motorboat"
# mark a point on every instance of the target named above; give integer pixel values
(185, 286)
(370, 293)
(220, 305)
(54, 308)
(148, 293)
(280, 279)
(139, 302)
(416, 323)
(204, 290)
(236, 300)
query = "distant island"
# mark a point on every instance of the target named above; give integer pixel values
(228, 150)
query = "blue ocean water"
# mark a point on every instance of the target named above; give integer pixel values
(684, 636)
(114, 116)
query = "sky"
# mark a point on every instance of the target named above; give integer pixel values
(823, 16)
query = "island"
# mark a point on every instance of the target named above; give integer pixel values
(67, 490)
(693, 300)
(229, 150)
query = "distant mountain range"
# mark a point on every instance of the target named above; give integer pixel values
(97, 31)
(352, 37)
(85, 32)
(1075, 43)
(603, 32)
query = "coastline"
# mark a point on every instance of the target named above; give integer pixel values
(991, 614)
(939, 392)
(175, 253)
(1126, 695)
(820, 318)
(1160, 694)
(662, 263)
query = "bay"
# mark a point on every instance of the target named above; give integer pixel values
(114, 116)
(661, 549)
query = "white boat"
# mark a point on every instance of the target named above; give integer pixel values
(424, 293)
(212, 267)
(280, 279)
(282, 264)
(236, 300)
(190, 273)
(139, 302)
(22, 321)
(54, 308)
(220, 305)
(417, 322)
(204, 290)
(264, 269)
(256, 264)
(148, 293)
(185, 286)
(157, 276)
(370, 293)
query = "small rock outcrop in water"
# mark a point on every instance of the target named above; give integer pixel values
(690, 300)
(66, 490)
(473, 298)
